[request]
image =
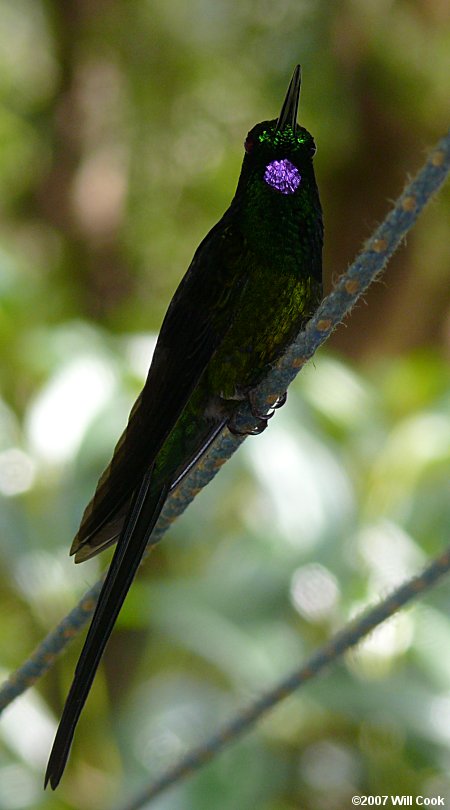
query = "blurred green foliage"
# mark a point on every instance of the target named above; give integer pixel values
(121, 129)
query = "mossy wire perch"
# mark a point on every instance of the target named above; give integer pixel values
(367, 266)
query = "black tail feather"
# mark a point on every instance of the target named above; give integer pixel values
(144, 513)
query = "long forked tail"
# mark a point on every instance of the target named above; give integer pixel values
(144, 513)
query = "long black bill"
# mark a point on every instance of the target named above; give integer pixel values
(288, 114)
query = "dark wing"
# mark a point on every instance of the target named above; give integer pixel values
(196, 321)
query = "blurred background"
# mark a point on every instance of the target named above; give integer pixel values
(121, 131)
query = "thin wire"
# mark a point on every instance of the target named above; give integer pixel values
(339, 644)
(366, 267)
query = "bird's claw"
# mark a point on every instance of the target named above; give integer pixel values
(253, 431)
(262, 418)
(265, 416)
(280, 401)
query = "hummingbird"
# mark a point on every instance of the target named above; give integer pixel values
(253, 283)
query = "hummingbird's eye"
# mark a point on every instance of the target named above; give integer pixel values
(249, 144)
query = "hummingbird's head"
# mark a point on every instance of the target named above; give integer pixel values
(278, 153)
(277, 185)
(280, 158)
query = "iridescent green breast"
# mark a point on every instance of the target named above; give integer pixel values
(274, 306)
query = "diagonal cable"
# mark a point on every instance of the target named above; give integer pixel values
(339, 644)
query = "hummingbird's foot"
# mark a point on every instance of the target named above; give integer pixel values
(280, 401)
(261, 418)
(253, 431)
(265, 416)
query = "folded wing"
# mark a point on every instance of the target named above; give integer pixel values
(196, 322)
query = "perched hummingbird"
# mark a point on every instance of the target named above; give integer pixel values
(254, 281)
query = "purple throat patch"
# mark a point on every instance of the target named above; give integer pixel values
(283, 176)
